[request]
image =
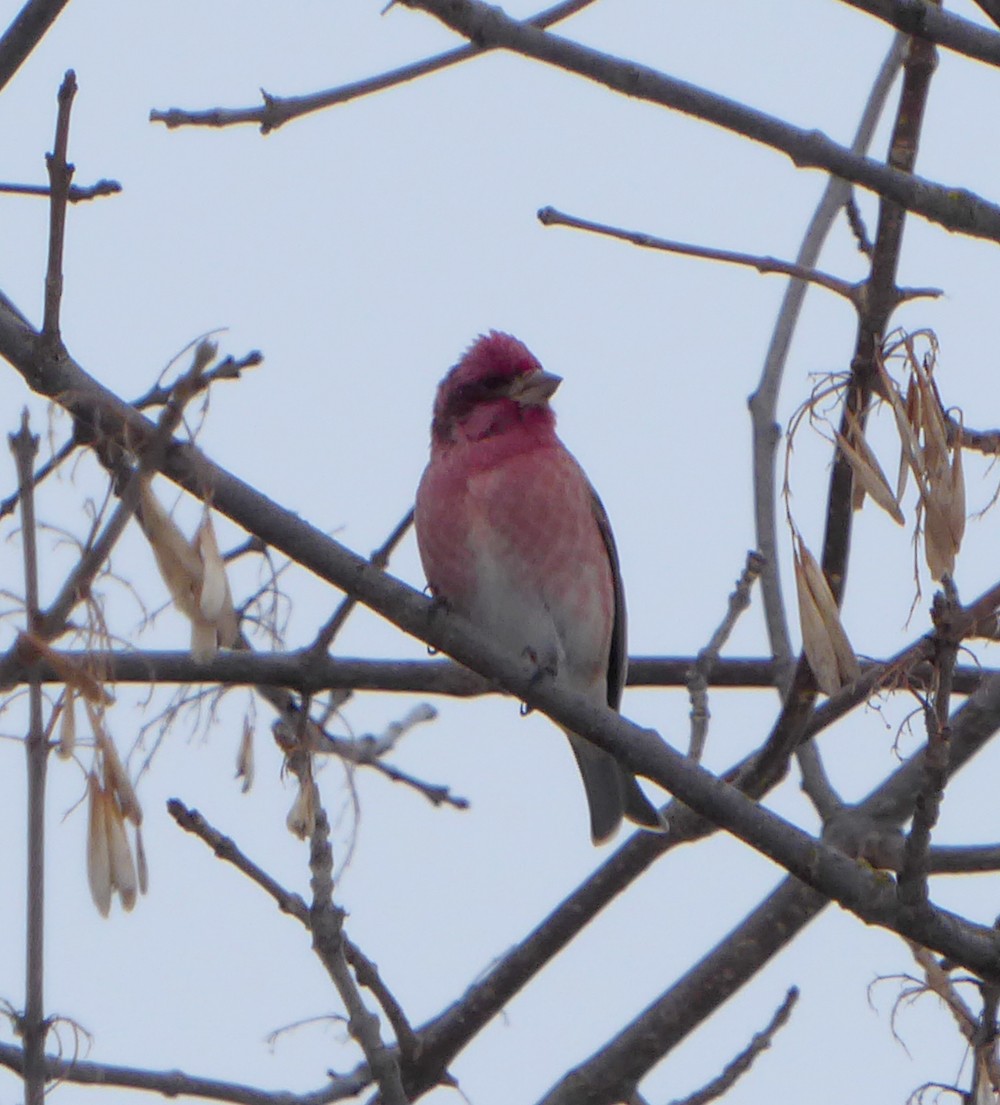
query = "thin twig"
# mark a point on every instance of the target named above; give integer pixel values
(744, 1061)
(175, 1084)
(489, 26)
(701, 669)
(940, 983)
(368, 976)
(929, 21)
(229, 368)
(226, 849)
(277, 110)
(986, 1066)
(913, 876)
(295, 729)
(60, 176)
(549, 216)
(7, 505)
(855, 220)
(24, 446)
(380, 558)
(77, 193)
(327, 922)
(816, 783)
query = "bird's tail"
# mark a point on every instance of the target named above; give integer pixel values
(612, 792)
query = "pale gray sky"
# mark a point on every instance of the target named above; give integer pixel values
(361, 249)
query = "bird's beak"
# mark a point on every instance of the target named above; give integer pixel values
(534, 388)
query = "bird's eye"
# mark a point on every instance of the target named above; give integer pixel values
(493, 383)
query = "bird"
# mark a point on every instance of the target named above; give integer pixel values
(513, 537)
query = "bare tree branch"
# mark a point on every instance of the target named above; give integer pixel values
(226, 849)
(60, 176)
(733, 1071)
(739, 956)
(853, 293)
(300, 671)
(929, 21)
(764, 401)
(24, 34)
(77, 193)
(367, 973)
(278, 110)
(34, 1028)
(174, 1084)
(701, 669)
(913, 873)
(991, 8)
(957, 209)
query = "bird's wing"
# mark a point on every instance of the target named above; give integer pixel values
(618, 658)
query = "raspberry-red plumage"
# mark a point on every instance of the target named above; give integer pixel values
(513, 537)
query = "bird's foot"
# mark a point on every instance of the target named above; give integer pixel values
(541, 670)
(438, 606)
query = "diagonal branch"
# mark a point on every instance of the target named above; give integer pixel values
(326, 922)
(736, 959)
(24, 34)
(957, 209)
(278, 110)
(639, 749)
(930, 22)
(625, 1059)
(991, 8)
(227, 850)
(739, 1066)
(852, 292)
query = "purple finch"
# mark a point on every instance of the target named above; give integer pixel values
(513, 537)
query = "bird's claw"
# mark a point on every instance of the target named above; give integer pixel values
(438, 602)
(540, 670)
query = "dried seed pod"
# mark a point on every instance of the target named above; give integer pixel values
(908, 443)
(956, 507)
(943, 502)
(123, 876)
(215, 600)
(116, 778)
(141, 867)
(868, 473)
(204, 640)
(939, 545)
(67, 726)
(73, 674)
(245, 757)
(816, 641)
(913, 419)
(215, 586)
(301, 818)
(935, 451)
(824, 640)
(98, 852)
(179, 564)
(195, 575)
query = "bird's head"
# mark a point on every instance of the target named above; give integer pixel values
(496, 383)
